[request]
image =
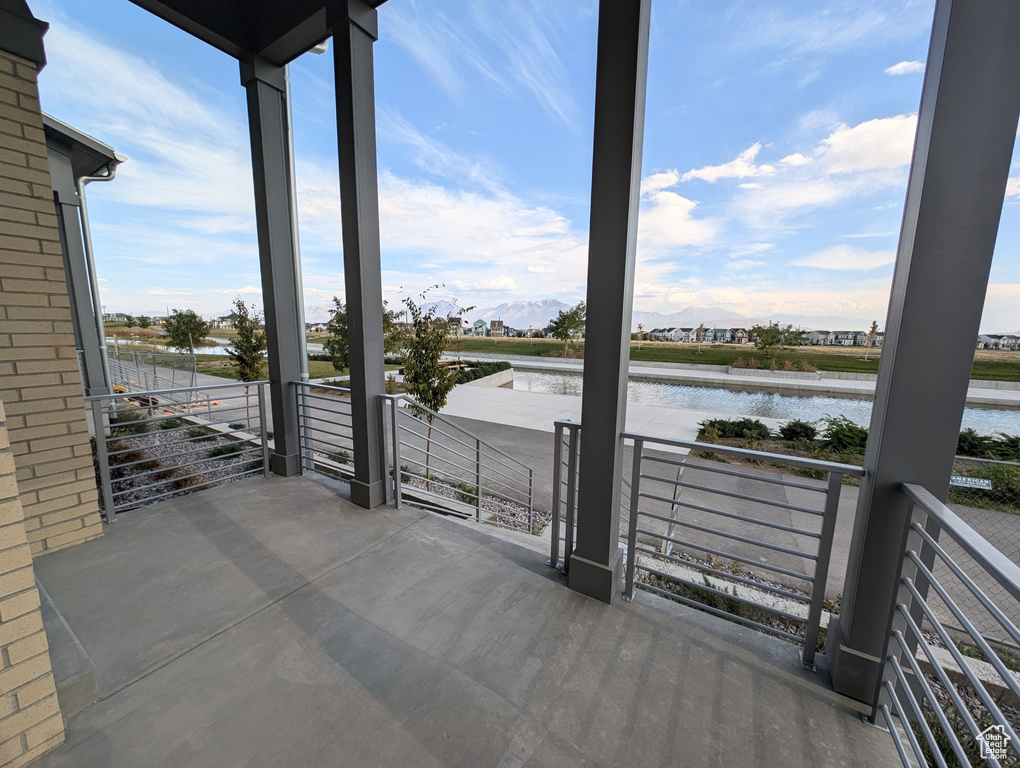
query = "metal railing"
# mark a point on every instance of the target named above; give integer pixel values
(325, 429)
(438, 465)
(566, 450)
(689, 513)
(160, 443)
(950, 708)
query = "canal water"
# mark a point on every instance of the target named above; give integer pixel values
(755, 403)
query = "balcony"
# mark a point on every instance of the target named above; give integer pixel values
(272, 622)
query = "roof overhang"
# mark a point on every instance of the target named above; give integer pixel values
(88, 155)
(276, 31)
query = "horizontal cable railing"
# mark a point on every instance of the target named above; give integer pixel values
(438, 465)
(155, 444)
(771, 516)
(949, 696)
(326, 429)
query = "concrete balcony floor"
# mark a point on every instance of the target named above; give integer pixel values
(272, 623)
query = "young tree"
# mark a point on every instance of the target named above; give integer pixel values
(144, 322)
(129, 321)
(872, 335)
(772, 338)
(640, 334)
(394, 334)
(568, 324)
(338, 344)
(425, 378)
(248, 353)
(701, 336)
(184, 329)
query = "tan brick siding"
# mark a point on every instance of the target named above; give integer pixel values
(30, 720)
(39, 378)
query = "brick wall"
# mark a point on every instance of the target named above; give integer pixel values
(30, 720)
(39, 378)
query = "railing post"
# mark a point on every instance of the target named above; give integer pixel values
(104, 460)
(397, 479)
(832, 494)
(554, 532)
(263, 430)
(635, 496)
(531, 500)
(568, 534)
(478, 480)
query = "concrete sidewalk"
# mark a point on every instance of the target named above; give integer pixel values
(272, 623)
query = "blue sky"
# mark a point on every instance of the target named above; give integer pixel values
(777, 143)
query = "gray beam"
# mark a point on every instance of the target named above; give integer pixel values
(21, 33)
(276, 220)
(354, 31)
(83, 313)
(967, 126)
(620, 77)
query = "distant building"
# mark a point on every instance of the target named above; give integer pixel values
(496, 328)
(478, 328)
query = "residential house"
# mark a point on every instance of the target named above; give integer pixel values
(844, 338)
(496, 328)
(740, 336)
(817, 338)
(226, 322)
(478, 328)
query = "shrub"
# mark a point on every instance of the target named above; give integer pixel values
(798, 430)
(201, 434)
(131, 421)
(237, 426)
(340, 457)
(227, 449)
(171, 423)
(465, 493)
(970, 443)
(750, 429)
(481, 370)
(844, 436)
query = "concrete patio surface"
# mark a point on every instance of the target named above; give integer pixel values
(272, 623)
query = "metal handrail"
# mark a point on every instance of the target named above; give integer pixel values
(913, 700)
(779, 458)
(414, 403)
(155, 392)
(480, 466)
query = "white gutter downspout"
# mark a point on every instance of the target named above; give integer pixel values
(97, 307)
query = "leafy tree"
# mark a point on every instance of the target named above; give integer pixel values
(569, 324)
(129, 321)
(248, 353)
(425, 378)
(184, 329)
(144, 322)
(338, 344)
(872, 335)
(701, 336)
(772, 338)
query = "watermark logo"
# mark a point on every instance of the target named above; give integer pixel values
(993, 741)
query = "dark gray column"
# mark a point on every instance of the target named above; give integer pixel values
(354, 31)
(620, 76)
(277, 232)
(966, 128)
(83, 314)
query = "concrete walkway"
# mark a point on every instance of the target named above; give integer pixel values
(271, 623)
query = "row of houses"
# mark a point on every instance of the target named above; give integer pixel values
(999, 341)
(821, 338)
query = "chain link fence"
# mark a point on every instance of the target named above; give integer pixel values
(986, 495)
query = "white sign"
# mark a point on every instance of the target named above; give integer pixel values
(970, 482)
(993, 741)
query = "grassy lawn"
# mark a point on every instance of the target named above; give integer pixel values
(990, 366)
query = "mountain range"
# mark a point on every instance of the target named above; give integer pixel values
(537, 314)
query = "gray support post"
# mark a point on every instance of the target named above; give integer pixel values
(355, 29)
(620, 76)
(83, 314)
(965, 135)
(276, 220)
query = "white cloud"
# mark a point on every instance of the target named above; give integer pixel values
(881, 143)
(500, 283)
(795, 159)
(905, 68)
(537, 270)
(667, 222)
(1013, 186)
(845, 258)
(661, 180)
(741, 167)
